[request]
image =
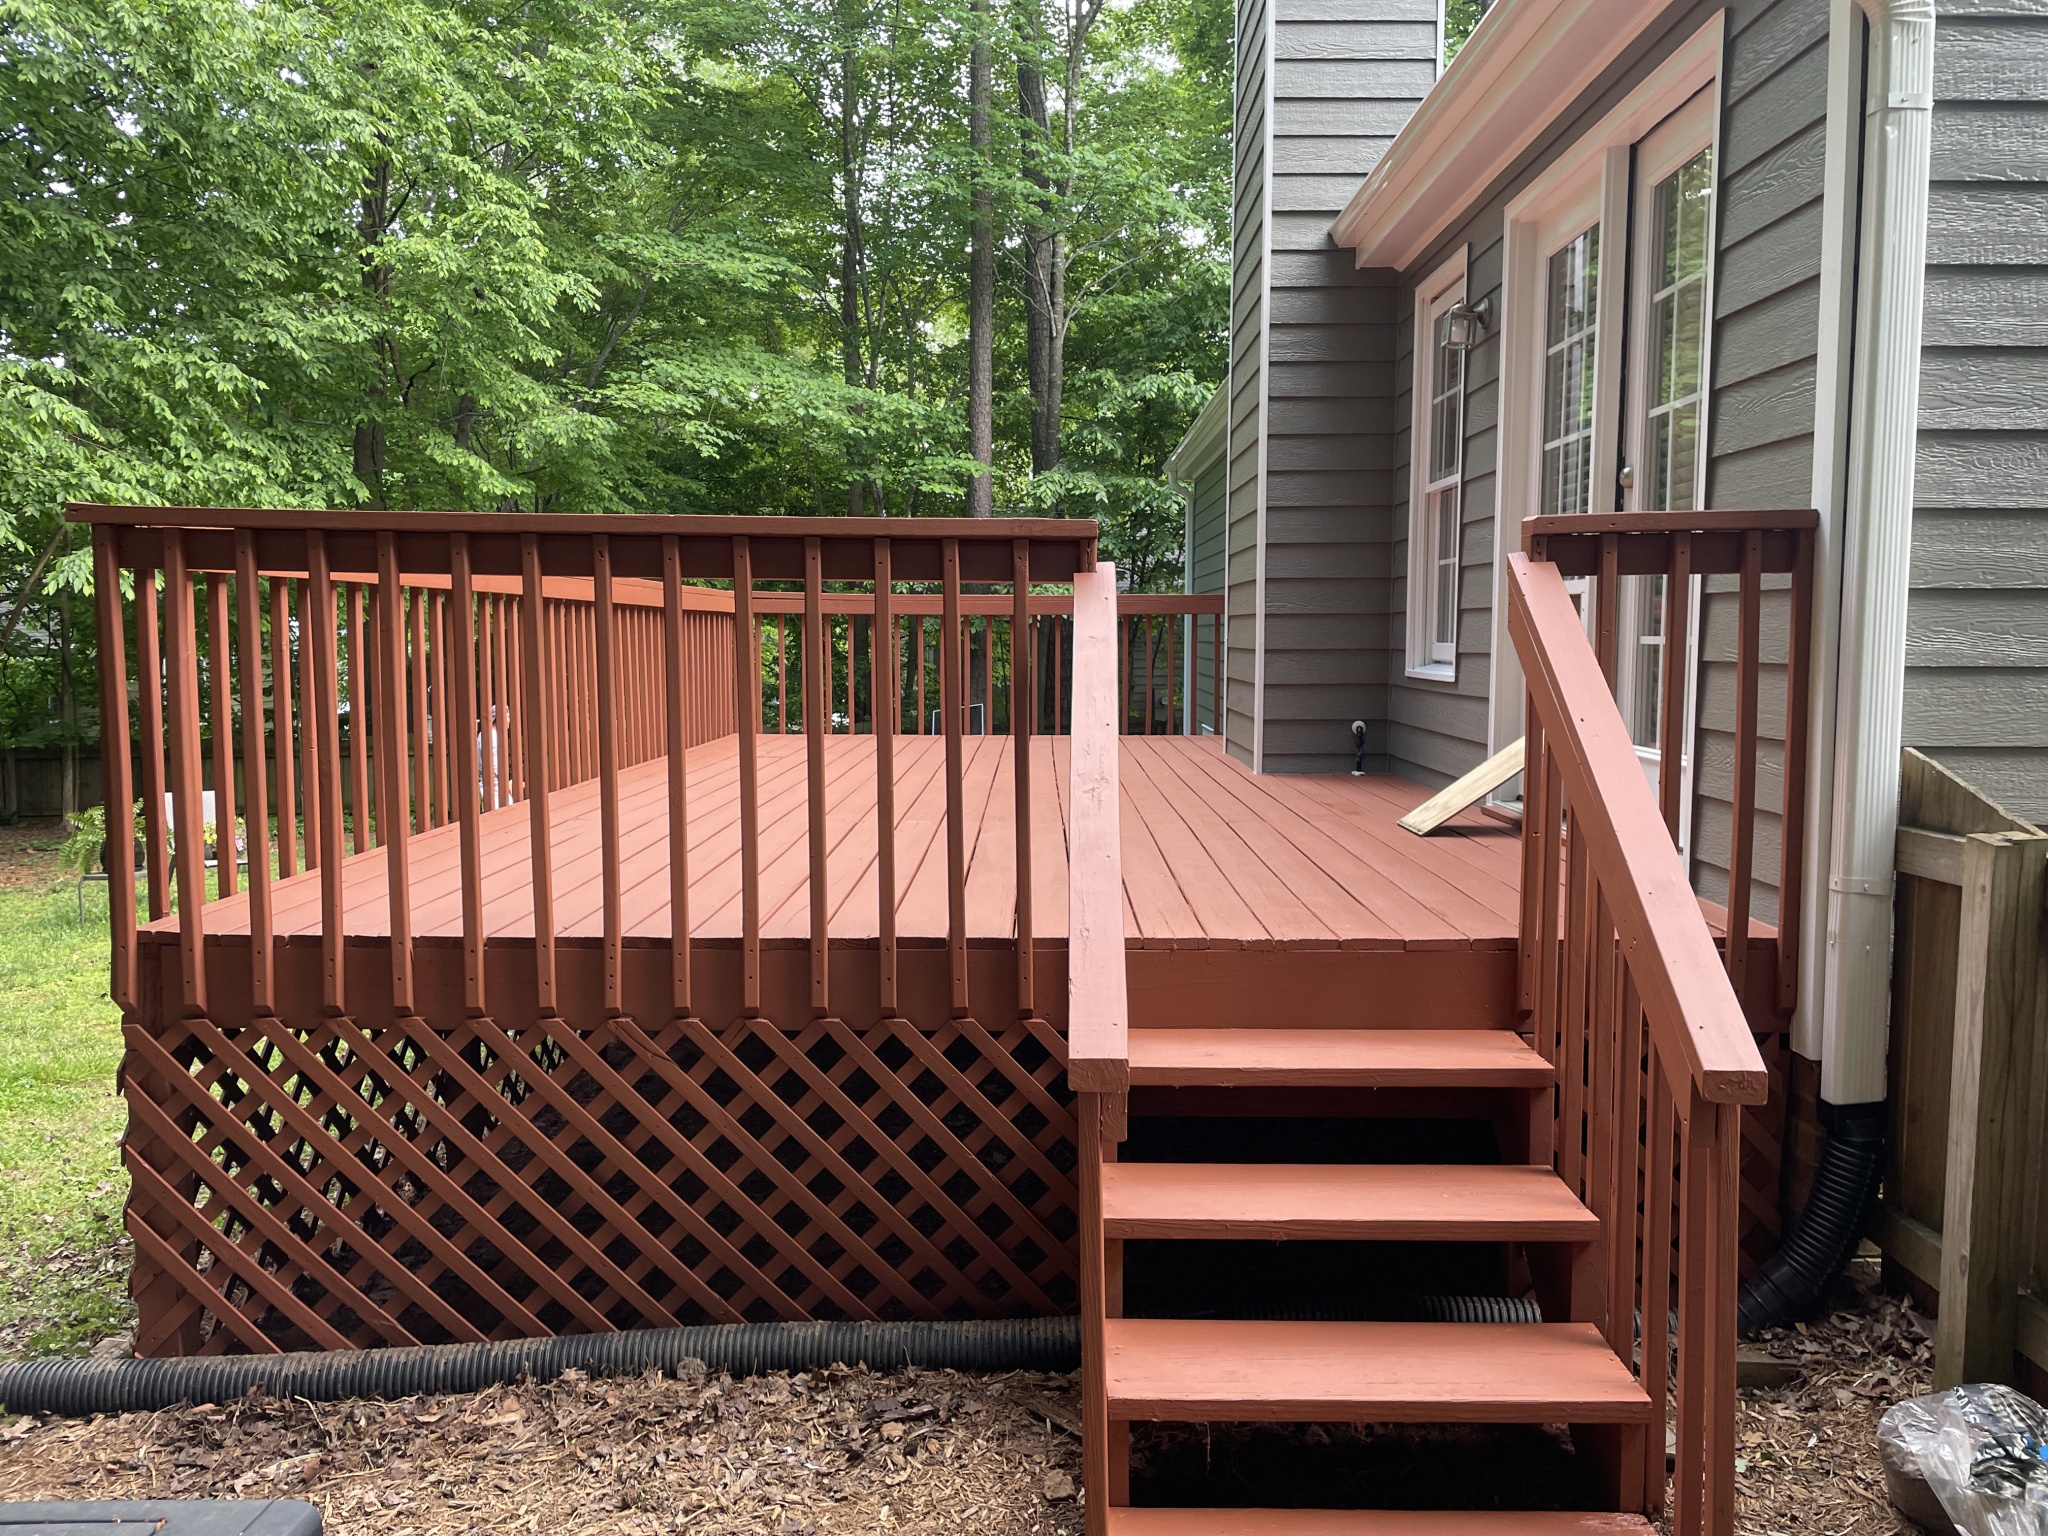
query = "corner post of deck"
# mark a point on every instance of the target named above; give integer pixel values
(952, 709)
(888, 713)
(817, 670)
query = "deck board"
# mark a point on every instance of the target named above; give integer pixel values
(1213, 856)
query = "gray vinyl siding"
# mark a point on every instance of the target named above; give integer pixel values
(1243, 456)
(1762, 403)
(1977, 621)
(1346, 76)
(1760, 425)
(1206, 552)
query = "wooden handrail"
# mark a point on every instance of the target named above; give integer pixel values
(1749, 545)
(1693, 1010)
(1098, 1008)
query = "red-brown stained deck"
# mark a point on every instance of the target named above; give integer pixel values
(1213, 856)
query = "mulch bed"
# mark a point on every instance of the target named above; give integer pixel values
(854, 1451)
(1807, 1451)
(790, 1455)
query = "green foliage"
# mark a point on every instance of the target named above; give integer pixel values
(1460, 17)
(579, 255)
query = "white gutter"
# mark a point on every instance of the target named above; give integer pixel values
(1877, 551)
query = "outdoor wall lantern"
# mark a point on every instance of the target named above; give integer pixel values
(1465, 323)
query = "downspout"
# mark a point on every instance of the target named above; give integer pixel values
(1877, 553)
(1877, 547)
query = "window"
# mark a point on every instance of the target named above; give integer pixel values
(1570, 336)
(1436, 501)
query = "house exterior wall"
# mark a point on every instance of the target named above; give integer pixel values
(1977, 620)
(1206, 534)
(1761, 409)
(1323, 89)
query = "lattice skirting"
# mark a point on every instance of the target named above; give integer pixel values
(312, 1183)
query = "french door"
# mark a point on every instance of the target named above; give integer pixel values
(1625, 278)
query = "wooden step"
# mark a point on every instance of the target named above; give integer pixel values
(1342, 1202)
(1366, 1373)
(1334, 1058)
(1369, 1522)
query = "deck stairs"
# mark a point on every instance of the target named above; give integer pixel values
(1401, 1089)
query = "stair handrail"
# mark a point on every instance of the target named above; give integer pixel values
(1685, 990)
(1627, 999)
(1098, 1007)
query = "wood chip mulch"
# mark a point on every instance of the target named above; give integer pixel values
(1807, 1451)
(790, 1455)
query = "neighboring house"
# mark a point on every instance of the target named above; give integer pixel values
(1693, 235)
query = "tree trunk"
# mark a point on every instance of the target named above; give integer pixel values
(368, 457)
(1041, 253)
(850, 253)
(67, 709)
(981, 275)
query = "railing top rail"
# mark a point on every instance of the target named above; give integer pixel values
(1710, 520)
(1645, 541)
(1058, 547)
(1693, 1010)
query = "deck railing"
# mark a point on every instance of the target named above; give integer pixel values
(602, 1176)
(1167, 658)
(1629, 1001)
(1672, 548)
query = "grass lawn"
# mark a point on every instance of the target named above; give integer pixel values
(63, 1257)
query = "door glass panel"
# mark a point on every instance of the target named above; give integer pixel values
(1678, 270)
(1569, 333)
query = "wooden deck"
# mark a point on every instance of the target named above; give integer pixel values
(1214, 857)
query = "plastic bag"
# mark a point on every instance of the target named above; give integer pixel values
(1981, 1449)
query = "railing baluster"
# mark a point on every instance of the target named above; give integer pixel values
(1216, 669)
(1655, 1308)
(1536, 814)
(1572, 1018)
(682, 702)
(1671, 743)
(1742, 797)
(886, 678)
(325, 713)
(149, 677)
(747, 699)
(950, 663)
(1792, 831)
(817, 671)
(468, 770)
(312, 793)
(1151, 684)
(1062, 721)
(419, 758)
(187, 774)
(116, 767)
(441, 708)
(606, 696)
(281, 716)
(1623, 1222)
(220, 696)
(1020, 756)
(388, 692)
(988, 675)
(539, 833)
(923, 710)
(489, 707)
(501, 702)
(364, 809)
(262, 983)
(1695, 1208)
(1607, 606)
(781, 676)
(1724, 1216)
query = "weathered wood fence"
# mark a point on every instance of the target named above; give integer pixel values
(1965, 1207)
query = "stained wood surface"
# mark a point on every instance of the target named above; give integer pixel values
(1385, 1373)
(1342, 1201)
(1330, 1058)
(1369, 1522)
(1212, 856)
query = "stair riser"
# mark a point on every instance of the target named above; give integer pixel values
(1326, 988)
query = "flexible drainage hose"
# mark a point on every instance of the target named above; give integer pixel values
(1790, 1285)
(75, 1387)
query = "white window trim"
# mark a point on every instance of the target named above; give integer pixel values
(1590, 179)
(1442, 288)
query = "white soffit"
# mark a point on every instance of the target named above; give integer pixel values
(1525, 63)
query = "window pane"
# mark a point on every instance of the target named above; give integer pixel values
(1571, 327)
(1683, 203)
(1445, 629)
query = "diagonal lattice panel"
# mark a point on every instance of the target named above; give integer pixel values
(319, 1183)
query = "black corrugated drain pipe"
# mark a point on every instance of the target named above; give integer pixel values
(1793, 1280)
(76, 1387)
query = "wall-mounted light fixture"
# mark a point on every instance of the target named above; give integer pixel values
(1465, 322)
